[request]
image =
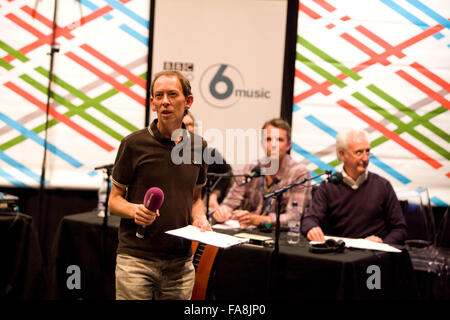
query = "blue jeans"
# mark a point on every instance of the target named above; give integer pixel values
(154, 279)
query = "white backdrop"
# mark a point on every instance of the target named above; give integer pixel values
(233, 53)
(382, 66)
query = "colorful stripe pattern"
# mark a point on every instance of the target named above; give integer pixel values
(382, 66)
(98, 90)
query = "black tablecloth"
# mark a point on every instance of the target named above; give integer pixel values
(240, 272)
(297, 273)
(22, 271)
(83, 241)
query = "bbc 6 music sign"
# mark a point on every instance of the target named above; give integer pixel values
(223, 85)
(235, 69)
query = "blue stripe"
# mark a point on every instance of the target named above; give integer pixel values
(20, 167)
(92, 173)
(321, 125)
(134, 34)
(33, 136)
(11, 179)
(313, 174)
(438, 202)
(128, 12)
(412, 18)
(395, 174)
(93, 7)
(431, 13)
(295, 108)
(88, 4)
(311, 157)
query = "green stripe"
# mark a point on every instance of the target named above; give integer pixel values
(320, 70)
(375, 143)
(378, 109)
(73, 110)
(308, 45)
(22, 138)
(5, 64)
(430, 115)
(52, 122)
(409, 128)
(16, 54)
(88, 102)
(409, 112)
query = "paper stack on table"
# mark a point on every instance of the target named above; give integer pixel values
(365, 244)
(209, 237)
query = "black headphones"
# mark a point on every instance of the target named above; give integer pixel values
(330, 245)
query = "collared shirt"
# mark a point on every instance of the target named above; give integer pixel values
(250, 195)
(352, 183)
(144, 160)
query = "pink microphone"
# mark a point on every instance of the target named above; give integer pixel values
(153, 200)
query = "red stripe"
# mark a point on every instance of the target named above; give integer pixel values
(123, 71)
(361, 46)
(60, 117)
(312, 83)
(430, 75)
(36, 15)
(448, 175)
(41, 37)
(63, 31)
(390, 134)
(429, 92)
(384, 44)
(46, 39)
(59, 31)
(427, 33)
(117, 85)
(25, 25)
(325, 5)
(371, 61)
(308, 11)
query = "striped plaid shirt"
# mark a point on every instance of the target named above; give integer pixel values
(250, 195)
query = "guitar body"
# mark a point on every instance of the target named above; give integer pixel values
(203, 261)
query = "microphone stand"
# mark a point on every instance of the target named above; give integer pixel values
(42, 195)
(108, 181)
(108, 170)
(278, 194)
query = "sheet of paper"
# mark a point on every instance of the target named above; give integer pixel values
(365, 244)
(227, 225)
(252, 236)
(209, 237)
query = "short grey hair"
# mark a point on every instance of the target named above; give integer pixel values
(343, 136)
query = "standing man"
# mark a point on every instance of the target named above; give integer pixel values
(362, 205)
(159, 266)
(245, 203)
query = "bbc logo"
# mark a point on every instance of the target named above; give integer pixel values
(179, 66)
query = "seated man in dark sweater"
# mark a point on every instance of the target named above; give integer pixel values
(361, 205)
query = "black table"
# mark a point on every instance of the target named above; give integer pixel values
(240, 272)
(83, 241)
(22, 271)
(296, 273)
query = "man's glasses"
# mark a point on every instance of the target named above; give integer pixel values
(359, 153)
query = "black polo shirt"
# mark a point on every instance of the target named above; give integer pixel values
(144, 160)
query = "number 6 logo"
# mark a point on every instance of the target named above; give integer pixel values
(218, 83)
